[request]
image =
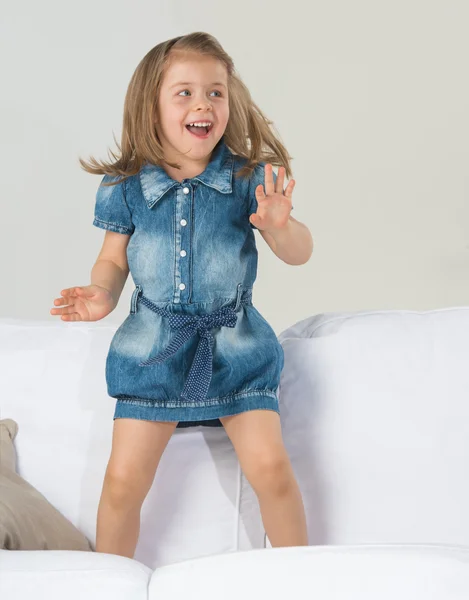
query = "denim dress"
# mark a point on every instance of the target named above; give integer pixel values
(193, 347)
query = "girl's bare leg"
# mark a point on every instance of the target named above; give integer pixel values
(137, 447)
(257, 438)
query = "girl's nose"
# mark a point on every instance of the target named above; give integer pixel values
(204, 105)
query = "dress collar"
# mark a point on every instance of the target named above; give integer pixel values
(218, 174)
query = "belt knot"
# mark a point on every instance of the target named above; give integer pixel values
(186, 326)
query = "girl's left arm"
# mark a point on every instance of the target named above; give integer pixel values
(292, 243)
(288, 238)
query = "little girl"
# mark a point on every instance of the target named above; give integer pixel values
(179, 206)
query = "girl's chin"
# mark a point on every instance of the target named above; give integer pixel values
(190, 147)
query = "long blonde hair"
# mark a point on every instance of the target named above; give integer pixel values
(248, 134)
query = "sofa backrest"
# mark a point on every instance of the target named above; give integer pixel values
(375, 416)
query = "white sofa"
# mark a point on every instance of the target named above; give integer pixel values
(375, 416)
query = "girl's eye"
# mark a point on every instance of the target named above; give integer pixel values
(216, 91)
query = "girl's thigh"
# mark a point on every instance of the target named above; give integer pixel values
(257, 438)
(137, 447)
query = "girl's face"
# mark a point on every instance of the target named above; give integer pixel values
(194, 88)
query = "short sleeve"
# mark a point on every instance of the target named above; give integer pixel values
(257, 178)
(111, 210)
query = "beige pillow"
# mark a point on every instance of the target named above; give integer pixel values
(27, 520)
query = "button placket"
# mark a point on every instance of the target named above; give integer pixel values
(183, 239)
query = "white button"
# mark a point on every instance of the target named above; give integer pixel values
(182, 286)
(186, 190)
(183, 253)
(183, 222)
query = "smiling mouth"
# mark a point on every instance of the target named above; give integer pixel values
(199, 131)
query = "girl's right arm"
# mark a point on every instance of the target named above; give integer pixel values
(108, 277)
(111, 268)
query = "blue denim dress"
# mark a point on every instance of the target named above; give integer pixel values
(193, 347)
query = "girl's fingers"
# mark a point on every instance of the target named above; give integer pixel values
(70, 291)
(73, 292)
(280, 179)
(269, 179)
(289, 189)
(66, 310)
(79, 291)
(63, 300)
(259, 191)
(65, 306)
(71, 317)
(68, 296)
(255, 220)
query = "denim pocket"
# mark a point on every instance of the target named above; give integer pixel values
(271, 337)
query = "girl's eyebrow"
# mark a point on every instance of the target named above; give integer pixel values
(191, 83)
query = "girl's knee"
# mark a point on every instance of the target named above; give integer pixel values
(122, 487)
(270, 473)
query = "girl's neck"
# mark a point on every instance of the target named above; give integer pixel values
(187, 171)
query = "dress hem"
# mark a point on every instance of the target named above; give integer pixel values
(177, 411)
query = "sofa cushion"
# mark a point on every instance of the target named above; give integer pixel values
(27, 520)
(325, 573)
(71, 575)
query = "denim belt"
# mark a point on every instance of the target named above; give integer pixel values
(200, 374)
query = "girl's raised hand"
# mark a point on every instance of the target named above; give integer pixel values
(273, 206)
(85, 303)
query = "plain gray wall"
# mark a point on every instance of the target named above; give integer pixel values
(370, 98)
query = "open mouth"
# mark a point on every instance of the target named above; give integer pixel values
(200, 130)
